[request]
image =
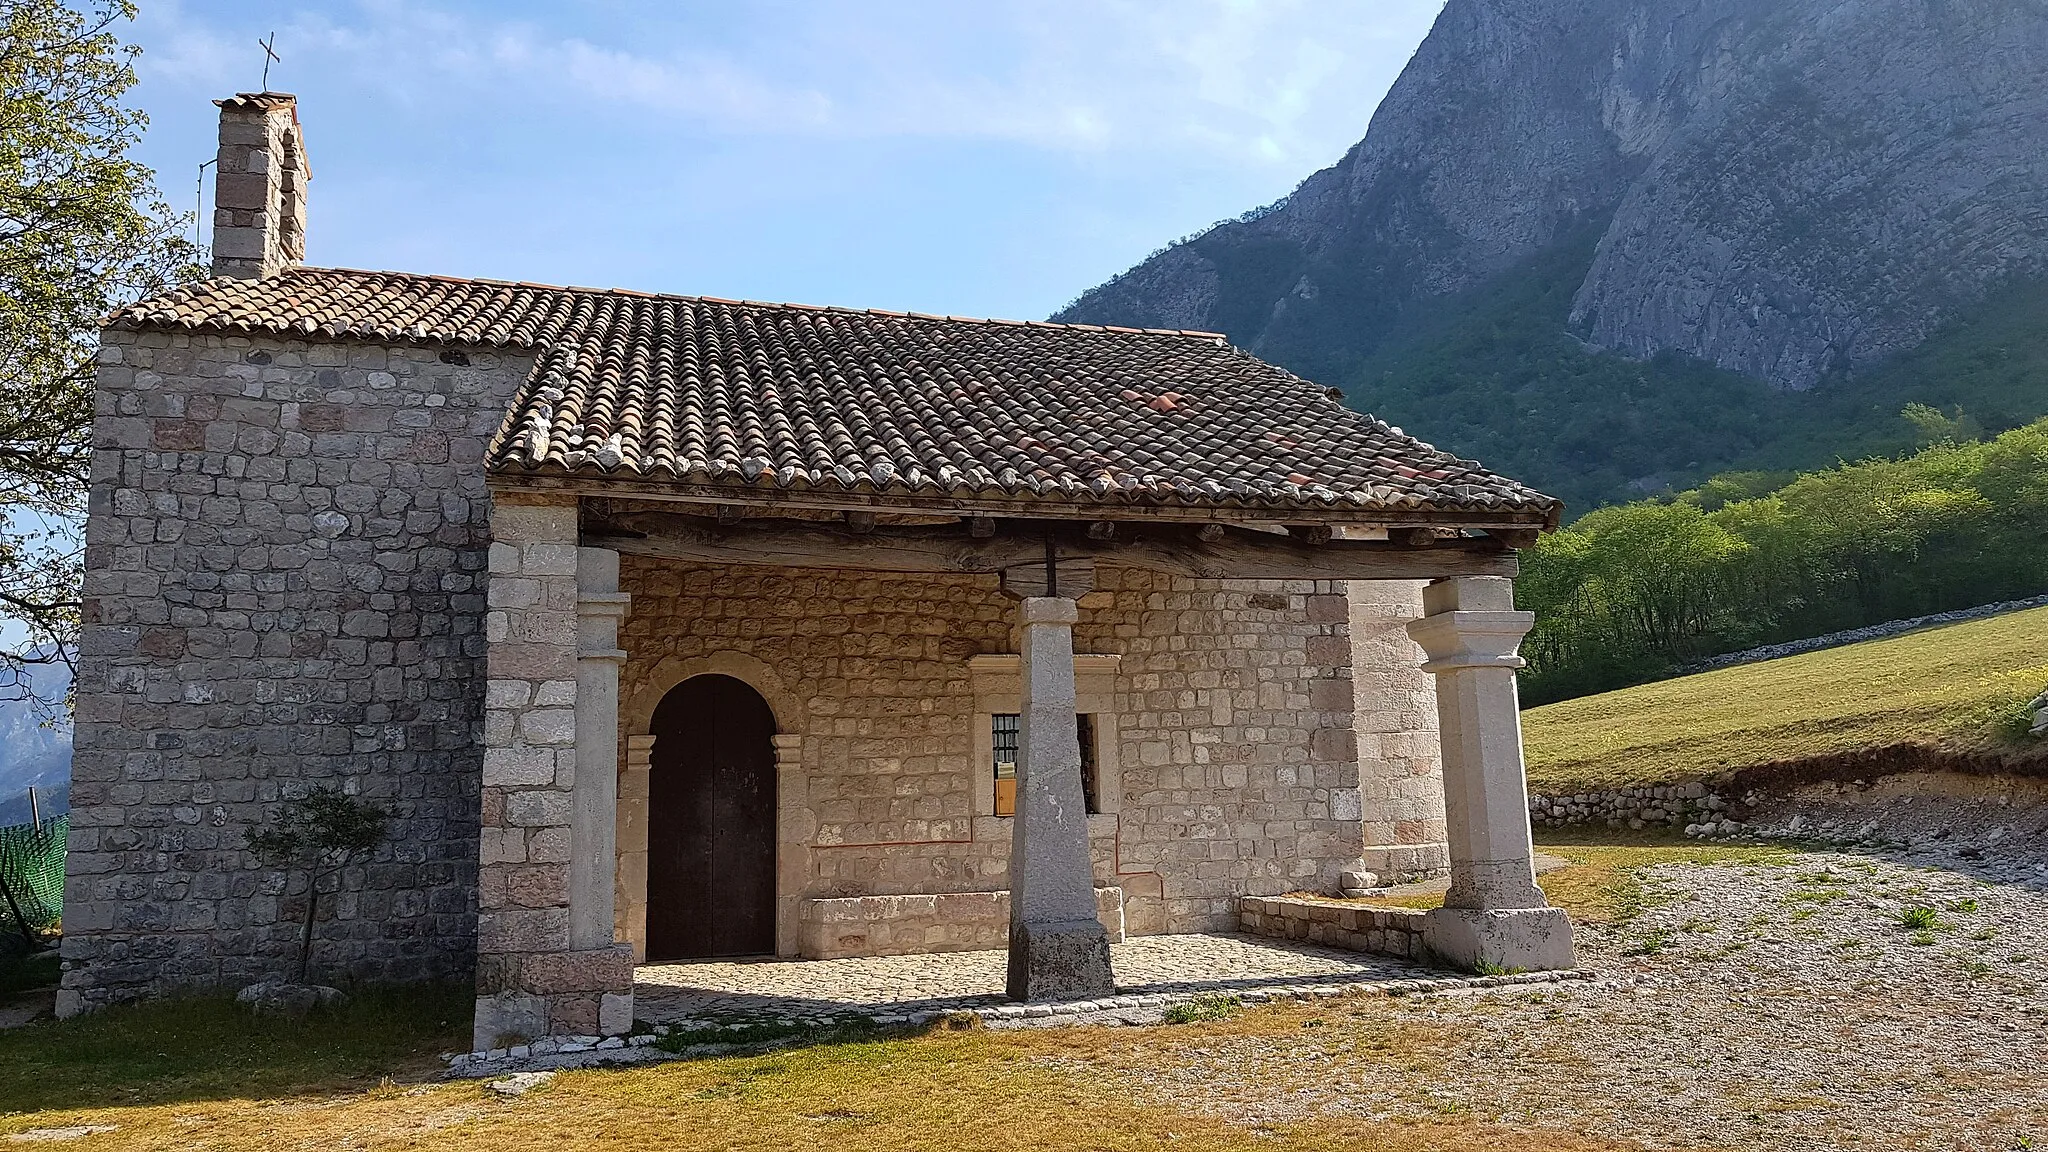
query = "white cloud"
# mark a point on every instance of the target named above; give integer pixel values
(1283, 83)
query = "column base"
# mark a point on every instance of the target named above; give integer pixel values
(1067, 960)
(1508, 939)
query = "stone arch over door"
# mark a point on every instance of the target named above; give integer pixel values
(794, 827)
(711, 876)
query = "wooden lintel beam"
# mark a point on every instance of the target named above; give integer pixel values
(1236, 554)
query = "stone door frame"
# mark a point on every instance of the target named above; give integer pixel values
(794, 824)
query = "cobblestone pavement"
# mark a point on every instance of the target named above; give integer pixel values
(1144, 965)
(1831, 1000)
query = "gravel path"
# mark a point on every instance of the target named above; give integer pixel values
(1751, 1006)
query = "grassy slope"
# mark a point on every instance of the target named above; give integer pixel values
(1959, 686)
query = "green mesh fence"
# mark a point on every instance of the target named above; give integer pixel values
(31, 877)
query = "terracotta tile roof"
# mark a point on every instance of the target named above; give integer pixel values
(747, 395)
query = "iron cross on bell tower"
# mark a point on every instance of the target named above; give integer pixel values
(270, 57)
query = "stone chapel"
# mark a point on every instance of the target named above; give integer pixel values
(670, 627)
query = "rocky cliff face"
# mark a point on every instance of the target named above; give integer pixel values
(1786, 188)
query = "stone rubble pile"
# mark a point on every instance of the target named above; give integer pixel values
(2039, 707)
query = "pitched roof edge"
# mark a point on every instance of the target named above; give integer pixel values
(132, 313)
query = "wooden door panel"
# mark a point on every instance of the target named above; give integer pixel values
(711, 823)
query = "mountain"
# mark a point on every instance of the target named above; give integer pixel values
(1614, 245)
(33, 752)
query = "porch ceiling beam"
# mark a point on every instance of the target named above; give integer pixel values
(1177, 549)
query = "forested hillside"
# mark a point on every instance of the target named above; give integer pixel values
(1628, 592)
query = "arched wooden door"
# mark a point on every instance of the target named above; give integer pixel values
(711, 823)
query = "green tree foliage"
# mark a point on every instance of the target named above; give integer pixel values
(320, 834)
(1628, 592)
(82, 229)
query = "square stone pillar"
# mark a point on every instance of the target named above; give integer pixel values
(1059, 949)
(1494, 914)
(535, 976)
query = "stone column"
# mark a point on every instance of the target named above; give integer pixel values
(630, 898)
(594, 804)
(795, 828)
(1059, 949)
(1494, 914)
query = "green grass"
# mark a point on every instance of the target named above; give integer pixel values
(1959, 687)
(1919, 919)
(1204, 1008)
(206, 1048)
(935, 1091)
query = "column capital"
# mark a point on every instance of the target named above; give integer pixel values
(1454, 640)
(603, 603)
(1049, 610)
(789, 749)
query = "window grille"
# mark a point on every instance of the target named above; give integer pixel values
(1003, 740)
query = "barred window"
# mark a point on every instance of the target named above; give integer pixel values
(1003, 741)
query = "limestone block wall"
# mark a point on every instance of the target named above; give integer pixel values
(1400, 760)
(1233, 726)
(1353, 927)
(285, 589)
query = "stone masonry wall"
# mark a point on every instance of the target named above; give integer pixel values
(285, 589)
(1400, 759)
(1233, 722)
(1352, 927)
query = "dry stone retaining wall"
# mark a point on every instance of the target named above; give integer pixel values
(1692, 806)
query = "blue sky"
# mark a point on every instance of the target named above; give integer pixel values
(981, 157)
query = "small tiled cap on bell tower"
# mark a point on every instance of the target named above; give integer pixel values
(259, 202)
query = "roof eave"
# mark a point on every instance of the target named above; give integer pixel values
(1118, 506)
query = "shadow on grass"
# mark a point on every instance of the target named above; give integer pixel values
(27, 973)
(208, 1048)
